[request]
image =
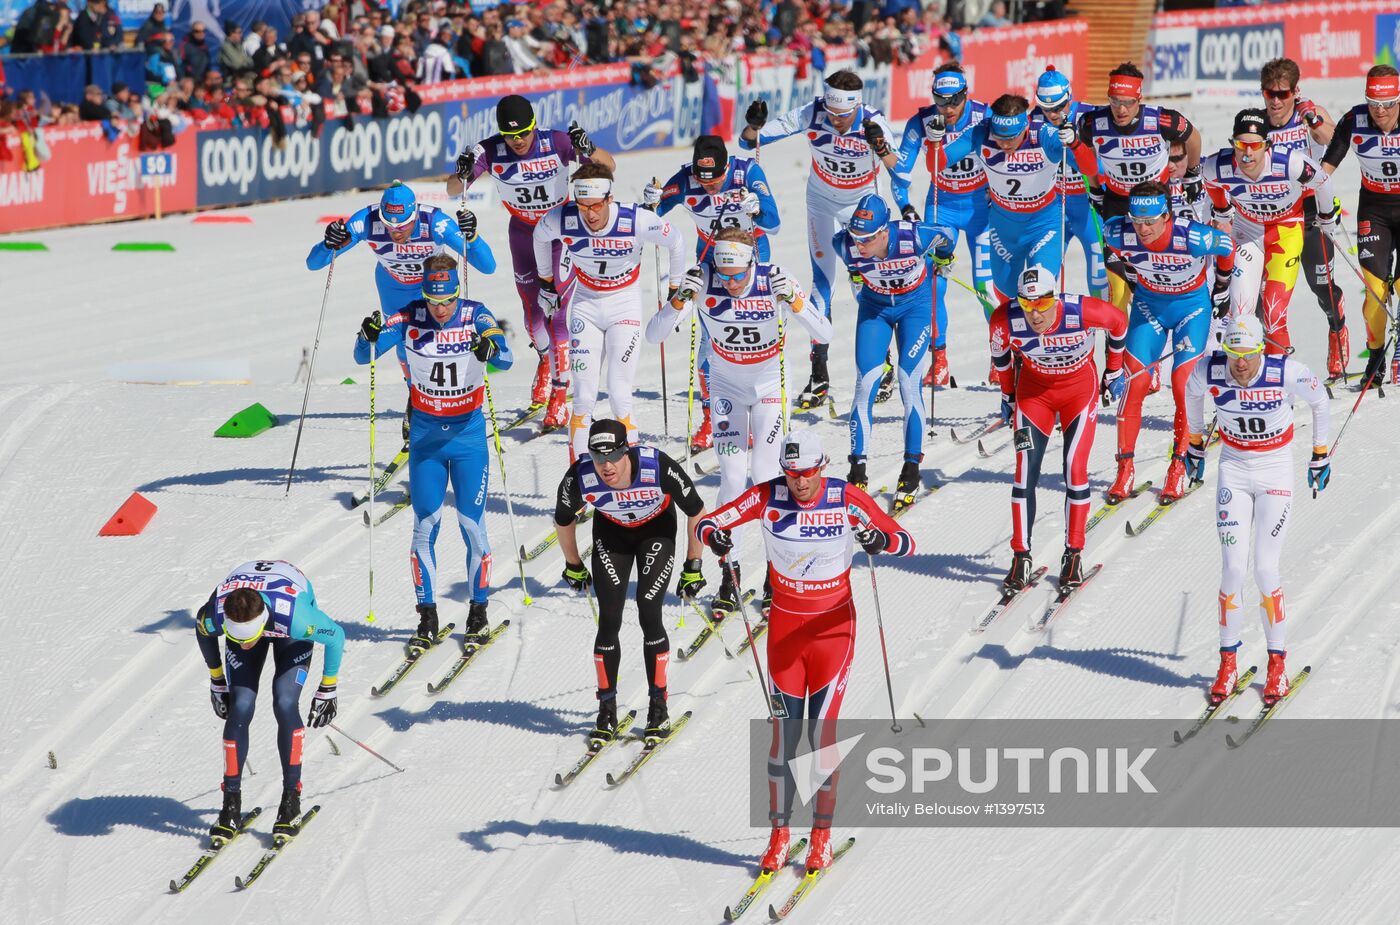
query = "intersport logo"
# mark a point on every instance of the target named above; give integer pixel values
(237, 161)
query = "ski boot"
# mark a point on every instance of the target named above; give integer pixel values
(657, 717)
(1175, 485)
(426, 636)
(856, 476)
(539, 391)
(477, 623)
(727, 600)
(1020, 574)
(557, 414)
(1226, 677)
(1375, 369)
(407, 421)
(704, 436)
(941, 377)
(1154, 382)
(906, 490)
(288, 822)
(1276, 685)
(606, 727)
(819, 851)
(886, 387)
(1071, 569)
(1123, 484)
(775, 858)
(1338, 352)
(814, 394)
(230, 818)
(766, 607)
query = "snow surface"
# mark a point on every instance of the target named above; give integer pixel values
(101, 668)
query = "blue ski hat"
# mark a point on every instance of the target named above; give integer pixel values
(441, 285)
(1052, 90)
(398, 206)
(870, 215)
(948, 86)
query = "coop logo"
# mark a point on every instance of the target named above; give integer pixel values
(359, 149)
(414, 139)
(1324, 45)
(229, 161)
(1237, 52)
(298, 158)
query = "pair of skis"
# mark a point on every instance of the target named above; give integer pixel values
(765, 879)
(217, 845)
(711, 627)
(596, 747)
(1009, 597)
(1266, 711)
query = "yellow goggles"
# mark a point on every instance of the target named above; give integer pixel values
(444, 300)
(1242, 353)
(1041, 304)
(526, 130)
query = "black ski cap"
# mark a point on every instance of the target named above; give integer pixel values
(514, 114)
(1251, 122)
(711, 158)
(607, 440)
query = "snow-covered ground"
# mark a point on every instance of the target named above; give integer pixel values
(101, 668)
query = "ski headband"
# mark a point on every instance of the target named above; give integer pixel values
(838, 101)
(1150, 205)
(248, 630)
(1382, 89)
(949, 84)
(592, 188)
(1007, 126)
(1125, 85)
(731, 255)
(440, 285)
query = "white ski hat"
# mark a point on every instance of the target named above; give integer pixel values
(1243, 336)
(802, 449)
(1035, 282)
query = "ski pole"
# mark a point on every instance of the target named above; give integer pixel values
(665, 393)
(712, 625)
(1365, 387)
(366, 747)
(690, 390)
(311, 373)
(782, 372)
(981, 297)
(776, 708)
(505, 488)
(933, 305)
(859, 515)
(372, 463)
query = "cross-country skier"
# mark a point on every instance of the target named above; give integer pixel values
(530, 167)
(889, 263)
(743, 303)
(266, 606)
(1253, 395)
(719, 192)
(957, 192)
(1182, 205)
(1168, 260)
(1053, 337)
(635, 491)
(849, 141)
(602, 245)
(1372, 129)
(1257, 192)
(443, 342)
(1294, 121)
(812, 629)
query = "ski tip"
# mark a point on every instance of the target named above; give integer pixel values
(612, 781)
(175, 888)
(558, 779)
(238, 883)
(1230, 741)
(773, 915)
(728, 914)
(523, 556)
(1177, 737)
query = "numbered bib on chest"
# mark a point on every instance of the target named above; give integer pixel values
(1168, 271)
(279, 582)
(404, 261)
(1128, 160)
(743, 329)
(608, 260)
(898, 273)
(445, 377)
(1061, 350)
(1377, 153)
(1023, 180)
(532, 185)
(638, 503)
(1258, 417)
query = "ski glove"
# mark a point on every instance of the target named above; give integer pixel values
(218, 696)
(1307, 111)
(485, 349)
(1008, 407)
(720, 542)
(1196, 460)
(750, 205)
(783, 285)
(757, 114)
(1327, 222)
(1220, 294)
(651, 195)
(466, 223)
(934, 129)
(691, 283)
(1095, 197)
(873, 540)
(582, 143)
(1112, 385)
(323, 707)
(371, 327)
(1192, 184)
(910, 214)
(337, 235)
(465, 162)
(1319, 470)
(692, 581)
(1068, 138)
(875, 137)
(576, 576)
(549, 298)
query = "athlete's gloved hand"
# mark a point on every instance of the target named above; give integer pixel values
(935, 129)
(1327, 222)
(1319, 469)
(1095, 196)
(857, 283)
(576, 576)
(582, 143)
(875, 137)
(1196, 459)
(651, 195)
(218, 696)
(873, 540)
(942, 265)
(466, 223)
(910, 214)
(720, 542)
(1192, 184)
(1221, 218)
(337, 235)
(1307, 111)
(371, 327)
(691, 283)
(750, 205)
(1008, 407)
(784, 286)
(322, 707)
(465, 162)
(692, 581)
(485, 349)
(1112, 385)
(1220, 294)
(549, 298)
(757, 114)
(1068, 137)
